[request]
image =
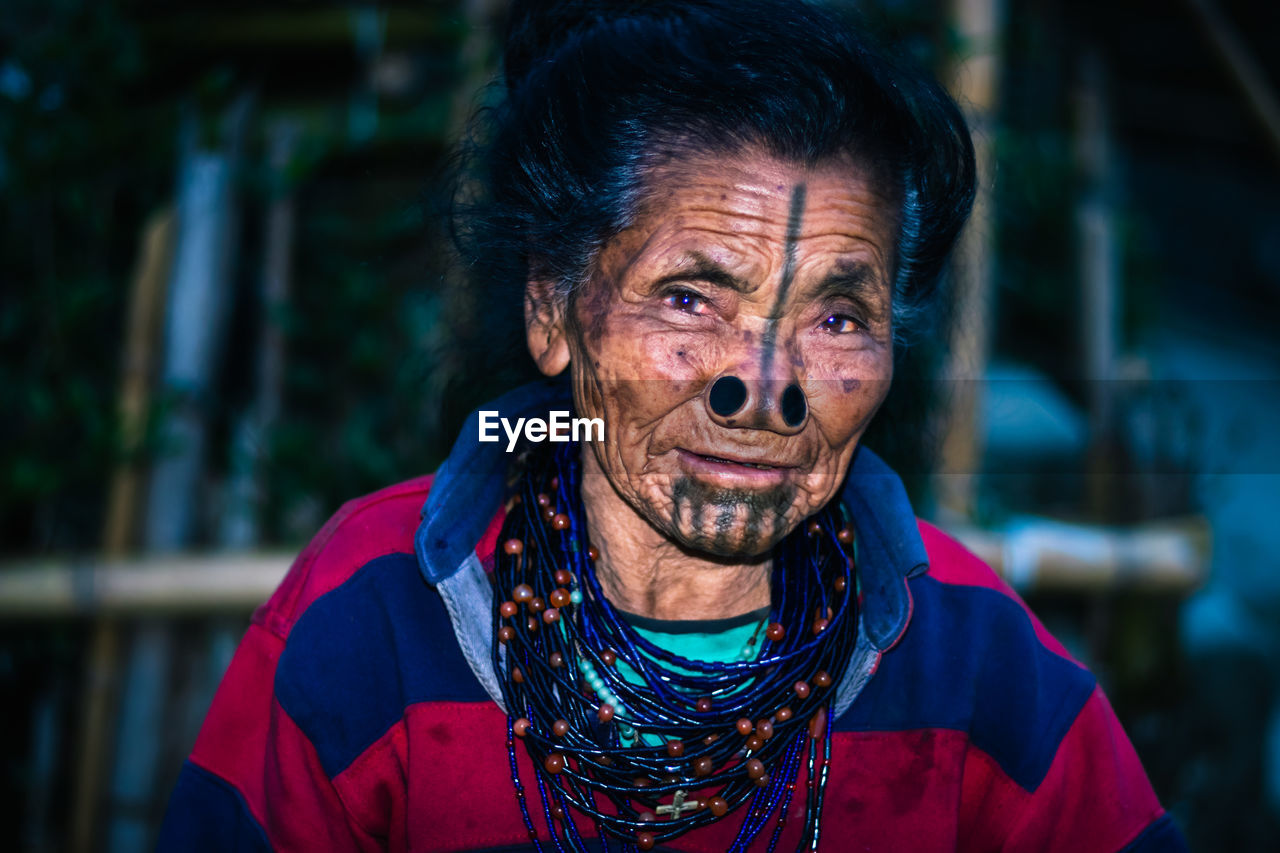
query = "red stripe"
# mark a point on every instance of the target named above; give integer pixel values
(952, 563)
(233, 740)
(891, 782)
(465, 743)
(372, 526)
(991, 804)
(886, 791)
(882, 784)
(375, 787)
(923, 789)
(305, 812)
(1095, 796)
(250, 742)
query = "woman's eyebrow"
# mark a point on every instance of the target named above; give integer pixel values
(699, 267)
(856, 280)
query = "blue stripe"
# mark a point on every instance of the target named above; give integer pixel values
(363, 652)
(971, 661)
(1162, 836)
(207, 814)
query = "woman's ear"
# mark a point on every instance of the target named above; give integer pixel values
(544, 324)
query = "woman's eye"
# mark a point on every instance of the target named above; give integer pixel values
(687, 301)
(841, 324)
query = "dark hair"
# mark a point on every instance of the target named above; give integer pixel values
(597, 92)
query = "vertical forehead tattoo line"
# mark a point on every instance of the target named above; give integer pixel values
(794, 218)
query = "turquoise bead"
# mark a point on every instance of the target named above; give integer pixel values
(576, 596)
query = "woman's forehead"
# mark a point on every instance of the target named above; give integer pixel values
(753, 185)
(748, 210)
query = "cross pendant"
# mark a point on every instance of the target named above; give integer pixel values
(679, 805)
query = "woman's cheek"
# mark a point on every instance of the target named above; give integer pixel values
(666, 355)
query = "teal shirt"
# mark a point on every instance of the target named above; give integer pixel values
(712, 641)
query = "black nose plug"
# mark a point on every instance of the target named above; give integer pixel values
(727, 395)
(794, 407)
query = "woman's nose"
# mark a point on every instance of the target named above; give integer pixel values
(771, 404)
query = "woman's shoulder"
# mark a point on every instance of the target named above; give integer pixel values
(965, 574)
(973, 674)
(365, 533)
(975, 659)
(364, 635)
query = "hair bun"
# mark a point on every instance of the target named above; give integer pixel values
(537, 28)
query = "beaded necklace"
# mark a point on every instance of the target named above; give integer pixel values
(694, 739)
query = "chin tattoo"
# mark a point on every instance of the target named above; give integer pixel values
(728, 522)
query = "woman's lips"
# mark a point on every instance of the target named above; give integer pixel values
(734, 469)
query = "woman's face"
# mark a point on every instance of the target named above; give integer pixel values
(747, 267)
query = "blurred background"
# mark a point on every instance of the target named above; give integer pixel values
(226, 307)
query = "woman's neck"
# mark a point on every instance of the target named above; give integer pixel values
(644, 572)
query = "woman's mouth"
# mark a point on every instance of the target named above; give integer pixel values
(720, 459)
(737, 469)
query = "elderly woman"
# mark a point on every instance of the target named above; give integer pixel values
(717, 625)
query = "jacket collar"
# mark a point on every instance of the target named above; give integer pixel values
(468, 488)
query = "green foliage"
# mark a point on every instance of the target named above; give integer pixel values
(363, 340)
(90, 102)
(77, 174)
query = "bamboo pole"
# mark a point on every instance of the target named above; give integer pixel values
(1042, 555)
(974, 81)
(169, 584)
(101, 675)
(142, 334)
(1031, 554)
(102, 664)
(196, 318)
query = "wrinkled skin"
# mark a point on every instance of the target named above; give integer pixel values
(744, 265)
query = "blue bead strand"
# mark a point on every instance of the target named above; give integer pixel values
(604, 753)
(519, 786)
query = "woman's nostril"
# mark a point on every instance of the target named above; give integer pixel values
(728, 393)
(794, 407)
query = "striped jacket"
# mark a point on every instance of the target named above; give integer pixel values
(359, 711)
